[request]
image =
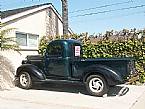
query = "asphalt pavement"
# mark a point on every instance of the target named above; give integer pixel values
(72, 97)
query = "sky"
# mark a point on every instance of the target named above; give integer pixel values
(93, 16)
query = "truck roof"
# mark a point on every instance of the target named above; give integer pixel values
(70, 41)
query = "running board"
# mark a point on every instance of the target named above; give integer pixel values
(62, 81)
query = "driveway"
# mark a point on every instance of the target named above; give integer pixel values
(53, 96)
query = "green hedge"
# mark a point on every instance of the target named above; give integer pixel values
(106, 49)
(127, 45)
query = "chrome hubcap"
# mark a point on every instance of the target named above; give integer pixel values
(24, 80)
(96, 85)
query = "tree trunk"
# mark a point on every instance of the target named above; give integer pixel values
(65, 16)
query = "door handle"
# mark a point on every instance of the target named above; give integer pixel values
(59, 57)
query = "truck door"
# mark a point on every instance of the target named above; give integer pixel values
(55, 61)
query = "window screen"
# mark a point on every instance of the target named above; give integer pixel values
(27, 39)
(33, 40)
(21, 39)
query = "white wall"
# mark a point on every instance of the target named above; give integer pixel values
(34, 24)
(15, 57)
(60, 26)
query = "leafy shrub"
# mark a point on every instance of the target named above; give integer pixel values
(112, 44)
(43, 45)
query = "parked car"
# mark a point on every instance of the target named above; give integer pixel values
(63, 62)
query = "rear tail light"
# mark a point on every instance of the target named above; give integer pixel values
(131, 67)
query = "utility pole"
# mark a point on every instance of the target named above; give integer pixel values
(65, 16)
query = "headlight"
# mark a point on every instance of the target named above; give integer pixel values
(24, 61)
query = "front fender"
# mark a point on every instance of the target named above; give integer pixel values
(112, 77)
(34, 71)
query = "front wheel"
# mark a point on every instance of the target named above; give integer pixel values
(96, 85)
(24, 80)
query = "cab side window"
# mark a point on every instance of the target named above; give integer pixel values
(54, 50)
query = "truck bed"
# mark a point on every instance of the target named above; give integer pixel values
(121, 66)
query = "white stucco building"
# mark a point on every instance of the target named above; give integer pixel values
(30, 25)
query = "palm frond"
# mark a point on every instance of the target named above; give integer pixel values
(4, 33)
(6, 42)
(8, 47)
(10, 39)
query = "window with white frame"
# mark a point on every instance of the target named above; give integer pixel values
(27, 39)
(50, 13)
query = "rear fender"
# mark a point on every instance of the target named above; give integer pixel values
(111, 76)
(33, 70)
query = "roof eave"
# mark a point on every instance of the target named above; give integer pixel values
(10, 18)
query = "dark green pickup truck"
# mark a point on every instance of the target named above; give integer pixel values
(63, 62)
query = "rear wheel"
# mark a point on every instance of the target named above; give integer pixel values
(96, 85)
(24, 80)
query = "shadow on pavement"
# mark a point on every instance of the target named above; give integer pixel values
(70, 88)
(73, 88)
(118, 91)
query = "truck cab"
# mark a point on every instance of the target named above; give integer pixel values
(59, 58)
(63, 62)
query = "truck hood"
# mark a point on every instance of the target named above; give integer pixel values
(34, 57)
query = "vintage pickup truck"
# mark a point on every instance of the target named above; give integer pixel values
(63, 62)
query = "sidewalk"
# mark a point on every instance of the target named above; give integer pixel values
(140, 102)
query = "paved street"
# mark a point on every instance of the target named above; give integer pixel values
(71, 97)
